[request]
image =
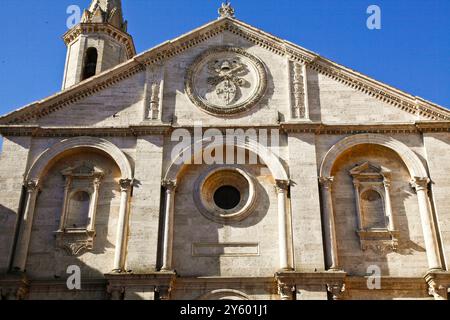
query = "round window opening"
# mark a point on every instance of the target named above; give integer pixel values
(227, 197)
(225, 194)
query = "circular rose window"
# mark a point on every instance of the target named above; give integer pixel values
(225, 194)
(226, 80)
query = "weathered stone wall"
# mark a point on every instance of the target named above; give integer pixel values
(259, 227)
(437, 147)
(13, 163)
(145, 206)
(410, 259)
(45, 260)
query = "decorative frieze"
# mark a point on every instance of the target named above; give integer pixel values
(299, 98)
(153, 92)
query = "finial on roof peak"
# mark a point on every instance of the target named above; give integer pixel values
(226, 10)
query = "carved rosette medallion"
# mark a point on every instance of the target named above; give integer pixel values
(226, 80)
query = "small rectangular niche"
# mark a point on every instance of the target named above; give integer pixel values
(225, 249)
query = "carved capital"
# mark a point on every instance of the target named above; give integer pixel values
(420, 183)
(116, 292)
(436, 291)
(125, 184)
(32, 186)
(438, 283)
(282, 186)
(170, 185)
(286, 290)
(336, 289)
(164, 292)
(97, 182)
(326, 182)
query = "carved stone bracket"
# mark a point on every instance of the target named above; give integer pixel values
(116, 292)
(75, 242)
(438, 284)
(286, 290)
(380, 247)
(14, 287)
(336, 289)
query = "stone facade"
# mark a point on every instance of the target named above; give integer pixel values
(349, 200)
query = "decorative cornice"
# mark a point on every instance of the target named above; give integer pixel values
(165, 129)
(168, 49)
(129, 131)
(106, 28)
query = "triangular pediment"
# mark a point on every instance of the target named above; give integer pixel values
(370, 170)
(420, 108)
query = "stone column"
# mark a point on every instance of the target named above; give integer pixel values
(67, 186)
(332, 262)
(125, 190)
(170, 187)
(388, 205)
(93, 204)
(428, 227)
(20, 257)
(282, 187)
(358, 205)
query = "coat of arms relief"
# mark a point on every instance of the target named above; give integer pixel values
(226, 80)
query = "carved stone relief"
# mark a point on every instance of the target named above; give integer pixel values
(226, 80)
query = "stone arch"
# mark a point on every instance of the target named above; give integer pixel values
(224, 294)
(411, 160)
(269, 158)
(45, 158)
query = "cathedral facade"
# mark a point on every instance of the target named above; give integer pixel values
(223, 164)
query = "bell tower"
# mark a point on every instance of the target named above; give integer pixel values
(99, 42)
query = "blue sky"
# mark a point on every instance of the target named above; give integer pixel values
(411, 51)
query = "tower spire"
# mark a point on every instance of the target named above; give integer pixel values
(106, 11)
(226, 10)
(100, 42)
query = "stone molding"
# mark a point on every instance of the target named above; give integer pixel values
(224, 294)
(411, 160)
(148, 128)
(106, 28)
(268, 157)
(217, 176)
(378, 90)
(42, 161)
(161, 282)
